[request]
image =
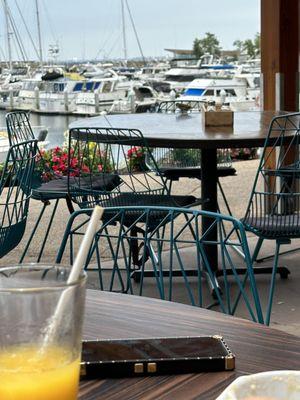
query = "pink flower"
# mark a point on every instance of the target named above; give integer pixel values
(85, 168)
(74, 173)
(64, 157)
(57, 150)
(74, 162)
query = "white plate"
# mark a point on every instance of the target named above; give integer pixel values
(274, 385)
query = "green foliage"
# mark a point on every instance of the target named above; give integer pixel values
(256, 42)
(136, 158)
(208, 44)
(238, 44)
(248, 46)
(197, 49)
(188, 157)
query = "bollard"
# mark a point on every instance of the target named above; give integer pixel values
(172, 95)
(131, 100)
(96, 94)
(66, 100)
(222, 96)
(173, 98)
(11, 98)
(37, 98)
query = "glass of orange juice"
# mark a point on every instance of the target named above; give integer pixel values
(31, 367)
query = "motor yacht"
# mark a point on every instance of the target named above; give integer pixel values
(234, 92)
(127, 97)
(185, 71)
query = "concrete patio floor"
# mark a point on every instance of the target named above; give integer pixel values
(286, 306)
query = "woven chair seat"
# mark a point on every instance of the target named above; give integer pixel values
(274, 226)
(146, 200)
(58, 188)
(289, 171)
(174, 173)
(137, 199)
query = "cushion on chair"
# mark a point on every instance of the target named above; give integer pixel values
(274, 226)
(58, 188)
(136, 199)
(144, 200)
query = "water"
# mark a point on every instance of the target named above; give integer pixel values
(56, 125)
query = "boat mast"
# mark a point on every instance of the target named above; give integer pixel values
(135, 32)
(39, 32)
(8, 33)
(124, 31)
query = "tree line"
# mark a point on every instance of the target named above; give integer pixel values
(210, 44)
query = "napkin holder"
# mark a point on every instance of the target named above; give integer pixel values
(217, 117)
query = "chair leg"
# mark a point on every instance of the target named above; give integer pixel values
(224, 198)
(66, 237)
(115, 252)
(47, 231)
(236, 249)
(257, 249)
(260, 260)
(69, 204)
(45, 204)
(271, 293)
(157, 270)
(99, 268)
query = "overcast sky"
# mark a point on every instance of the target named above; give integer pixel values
(92, 28)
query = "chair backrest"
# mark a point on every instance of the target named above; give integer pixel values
(184, 158)
(177, 243)
(15, 192)
(18, 127)
(274, 205)
(105, 162)
(19, 130)
(179, 106)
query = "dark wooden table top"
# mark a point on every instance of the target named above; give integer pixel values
(177, 130)
(257, 348)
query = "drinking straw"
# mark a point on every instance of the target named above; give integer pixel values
(75, 273)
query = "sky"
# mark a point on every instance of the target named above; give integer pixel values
(89, 29)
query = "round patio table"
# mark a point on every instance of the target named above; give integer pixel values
(111, 315)
(187, 131)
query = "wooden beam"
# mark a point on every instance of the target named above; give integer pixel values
(280, 63)
(280, 54)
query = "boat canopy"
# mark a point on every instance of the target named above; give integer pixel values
(86, 86)
(194, 92)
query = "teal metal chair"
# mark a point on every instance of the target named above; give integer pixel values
(180, 106)
(19, 129)
(15, 193)
(103, 170)
(169, 239)
(273, 211)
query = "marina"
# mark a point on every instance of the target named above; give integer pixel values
(124, 86)
(69, 94)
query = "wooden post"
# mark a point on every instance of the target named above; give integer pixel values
(280, 60)
(280, 54)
